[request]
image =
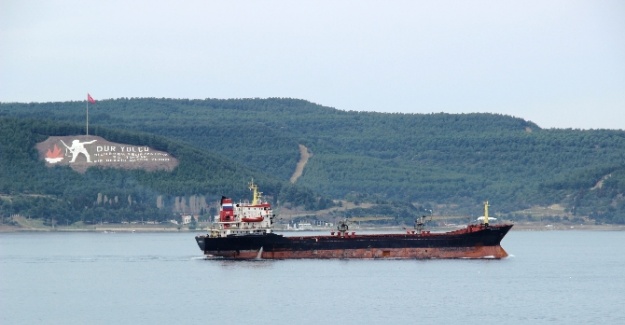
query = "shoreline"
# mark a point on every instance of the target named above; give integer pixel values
(173, 228)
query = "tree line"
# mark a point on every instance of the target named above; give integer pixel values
(29, 188)
(422, 159)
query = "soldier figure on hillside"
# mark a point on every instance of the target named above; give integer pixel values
(78, 148)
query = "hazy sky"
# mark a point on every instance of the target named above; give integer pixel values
(557, 63)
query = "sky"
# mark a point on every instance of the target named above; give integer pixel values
(559, 64)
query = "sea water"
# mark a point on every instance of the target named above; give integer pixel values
(551, 277)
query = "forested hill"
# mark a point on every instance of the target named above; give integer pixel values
(454, 161)
(29, 188)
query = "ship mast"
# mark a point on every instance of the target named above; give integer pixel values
(256, 194)
(486, 205)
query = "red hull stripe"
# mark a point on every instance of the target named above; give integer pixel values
(495, 252)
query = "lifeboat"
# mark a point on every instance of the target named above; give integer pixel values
(255, 219)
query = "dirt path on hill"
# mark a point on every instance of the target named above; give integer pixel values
(304, 154)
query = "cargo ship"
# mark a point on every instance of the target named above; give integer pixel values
(244, 231)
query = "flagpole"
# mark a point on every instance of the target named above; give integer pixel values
(89, 100)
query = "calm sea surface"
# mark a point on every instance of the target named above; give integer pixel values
(551, 277)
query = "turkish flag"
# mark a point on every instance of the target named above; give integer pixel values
(90, 99)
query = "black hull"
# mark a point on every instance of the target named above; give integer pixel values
(472, 242)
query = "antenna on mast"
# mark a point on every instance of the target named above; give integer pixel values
(256, 194)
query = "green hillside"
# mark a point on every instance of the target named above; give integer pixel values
(59, 194)
(448, 161)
